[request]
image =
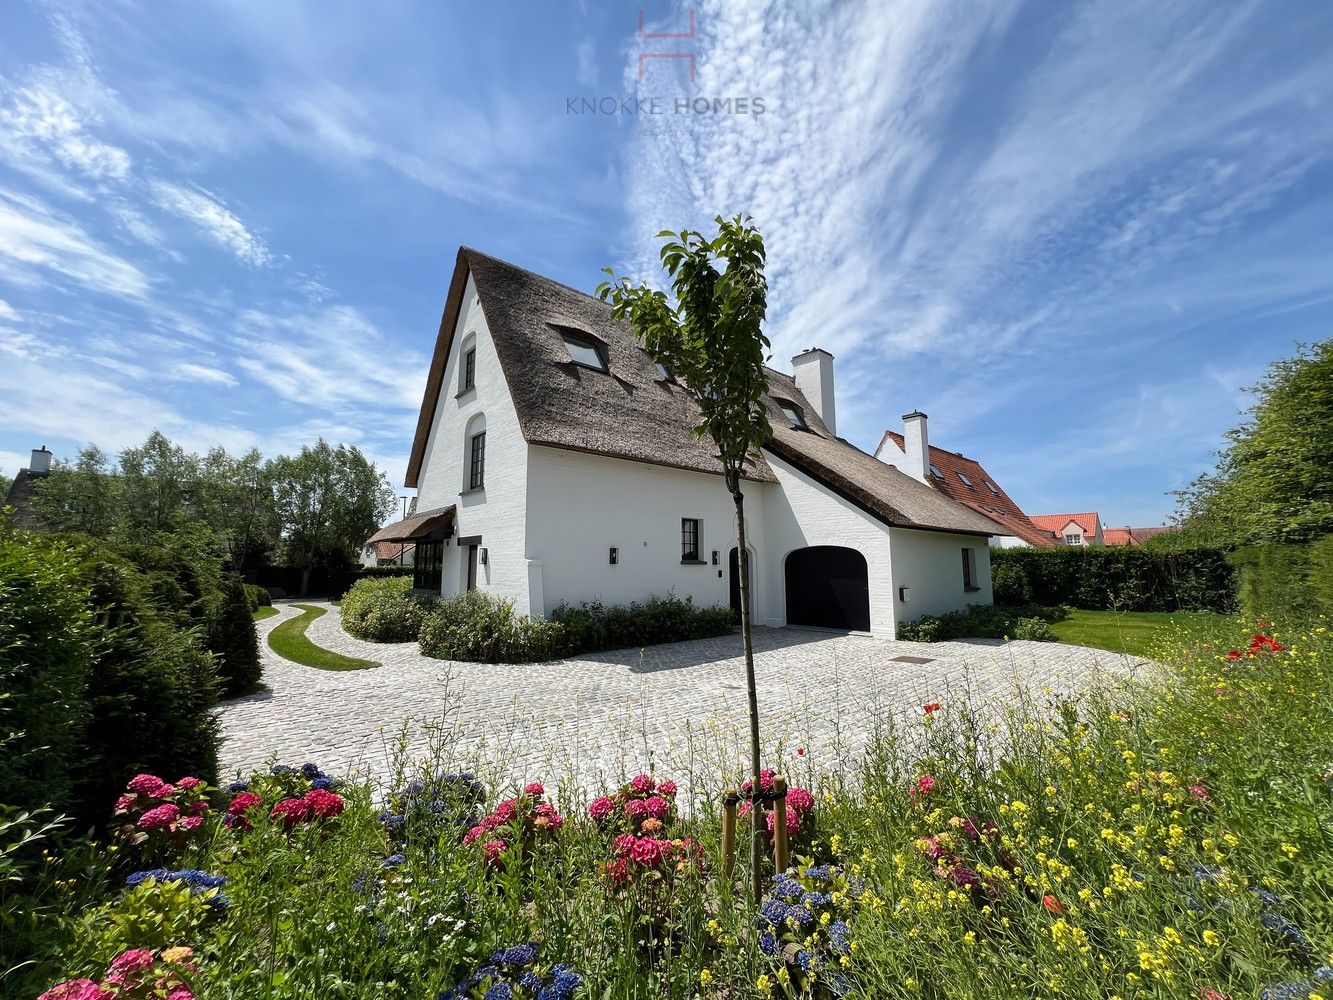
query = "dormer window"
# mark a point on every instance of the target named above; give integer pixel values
(664, 373)
(794, 414)
(966, 481)
(583, 349)
(936, 472)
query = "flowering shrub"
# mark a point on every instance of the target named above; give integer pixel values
(659, 858)
(800, 811)
(513, 974)
(316, 804)
(207, 887)
(429, 807)
(135, 974)
(522, 822)
(153, 814)
(805, 927)
(642, 806)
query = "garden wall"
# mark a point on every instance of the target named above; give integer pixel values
(1119, 578)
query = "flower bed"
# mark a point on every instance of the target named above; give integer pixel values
(1148, 841)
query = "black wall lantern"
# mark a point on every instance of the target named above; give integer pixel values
(715, 557)
(482, 557)
(615, 555)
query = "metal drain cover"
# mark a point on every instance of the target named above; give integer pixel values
(911, 659)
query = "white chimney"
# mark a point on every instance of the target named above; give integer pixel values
(813, 372)
(916, 446)
(40, 462)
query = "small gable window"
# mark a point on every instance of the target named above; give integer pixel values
(794, 414)
(966, 481)
(583, 349)
(664, 372)
(469, 369)
(936, 472)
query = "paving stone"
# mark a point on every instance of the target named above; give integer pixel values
(678, 708)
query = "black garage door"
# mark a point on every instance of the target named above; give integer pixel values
(827, 587)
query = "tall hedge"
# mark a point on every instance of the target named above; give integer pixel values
(1289, 581)
(232, 639)
(1122, 578)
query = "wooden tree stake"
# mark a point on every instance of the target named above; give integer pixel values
(780, 824)
(729, 802)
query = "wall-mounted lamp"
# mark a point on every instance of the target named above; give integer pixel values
(715, 557)
(482, 557)
(902, 594)
(615, 555)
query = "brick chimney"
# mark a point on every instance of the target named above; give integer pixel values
(813, 373)
(916, 446)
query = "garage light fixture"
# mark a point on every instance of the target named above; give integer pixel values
(615, 555)
(902, 593)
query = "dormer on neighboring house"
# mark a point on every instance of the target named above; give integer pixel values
(1073, 529)
(962, 479)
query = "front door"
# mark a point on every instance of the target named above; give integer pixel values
(472, 567)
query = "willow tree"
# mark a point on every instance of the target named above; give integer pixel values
(710, 337)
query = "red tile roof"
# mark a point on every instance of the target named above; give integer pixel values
(1056, 522)
(1120, 536)
(994, 502)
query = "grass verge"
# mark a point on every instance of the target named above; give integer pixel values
(268, 611)
(289, 641)
(1132, 632)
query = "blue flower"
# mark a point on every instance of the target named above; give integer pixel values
(281, 770)
(814, 900)
(804, 959)
(1205, 873)
(139, 878)
(820, 873)
(530, 981)
(839, 934)
(1266, 898)
(800, 916)
(1286, 991)
(519, 955)
(220, 902)
(311, 771)
(323, 781)
(393, 861)
(1286, 930)
(564, 981)
(236, 787)
(773, 912)
(500, 991)
(768, 944)
(392, 821)
(482, 974)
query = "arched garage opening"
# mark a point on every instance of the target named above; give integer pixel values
(828, 587)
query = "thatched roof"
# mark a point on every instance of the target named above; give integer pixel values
(22, 496)
(412, 528)
(632, 412)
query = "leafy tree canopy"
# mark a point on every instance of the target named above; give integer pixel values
(1274, 480)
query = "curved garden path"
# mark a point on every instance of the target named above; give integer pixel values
(678, 708)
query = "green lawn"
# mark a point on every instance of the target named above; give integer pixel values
(1130, 632)
(288, 641)
(266, 611)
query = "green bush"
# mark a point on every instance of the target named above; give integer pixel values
(592, 625)
(985, 621)
(257, 597)
(233, 641)
(48, 641)
(392, 569)
(384, 609)
(478, 628)
(1293, 581)
(1116, 578)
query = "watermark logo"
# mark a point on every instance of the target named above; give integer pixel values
(670, 47)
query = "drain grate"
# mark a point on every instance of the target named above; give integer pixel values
(911, 659)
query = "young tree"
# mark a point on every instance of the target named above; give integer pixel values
(711, 339)
(329, 501)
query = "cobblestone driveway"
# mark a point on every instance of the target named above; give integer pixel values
(680, 708)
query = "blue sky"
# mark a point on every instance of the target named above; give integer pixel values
(1070, 232)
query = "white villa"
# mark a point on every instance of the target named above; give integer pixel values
(555, 462)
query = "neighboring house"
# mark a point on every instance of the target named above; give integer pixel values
(960, 478)
(1133, 536)
(555, 462)
(23, 490)
(1073, 529)
(388, 554)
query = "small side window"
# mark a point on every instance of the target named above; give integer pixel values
(469, 369)
(689, 539)
(970, 569)
(477, 463)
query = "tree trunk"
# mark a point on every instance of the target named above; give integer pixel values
(756, 813)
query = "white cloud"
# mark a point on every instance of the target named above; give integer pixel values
(35, 242)
(188, 371)
(37, 122)
(7, 311)
(214, 219)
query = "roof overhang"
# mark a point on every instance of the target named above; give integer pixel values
(427, 524)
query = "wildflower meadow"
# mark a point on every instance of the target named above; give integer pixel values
(1170, 835)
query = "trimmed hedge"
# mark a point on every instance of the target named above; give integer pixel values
(1116, 578)
(985, 621)
(257, 597)
(385, 610)
(232, 639)
(479, 628)
(1291, 581)
(593, 626)
(390, 569)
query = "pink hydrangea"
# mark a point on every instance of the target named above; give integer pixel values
(1199, 792)
(635, 808)
(474, 835)
(180, 993)
(324, 804)
(147, 784)
(493, 849)
(646, 851)
(192, 822)
(601, 808)
(547, 817)
(623, 844)
(534, 788)
(244, 802)
(800, 799)
(198, 808)
(667, 788)
(506, 810)
(124, 803)
(189, 784)
(642, 784)
(77, 989)
(924, 786)
(656, 807)
(161, 817)
(133, 960)
(291, 811)
(793, 821)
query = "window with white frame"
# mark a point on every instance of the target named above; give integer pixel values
(1073, 538)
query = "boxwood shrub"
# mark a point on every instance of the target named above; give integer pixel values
(479, 628)
(985, 621)
(593, 625)
(384, 609)
(257, 597)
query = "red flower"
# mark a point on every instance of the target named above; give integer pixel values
(1052, 904)
(1208, 993)
(623, 845)
(600, 808)
(800, 799)
(133, 960)
(1234, 654)
(924, 786)
(534, 788)
(1199, 792)
(506, 810)
(188, 784)
(800, 751)
(474, 835)
(646, 851)
(667, 788)
(657, 807)
(932, 708)
(493, 849)
(324, 804)
(642, 784)
(147, 784)
(291, 811)
(162, 817)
